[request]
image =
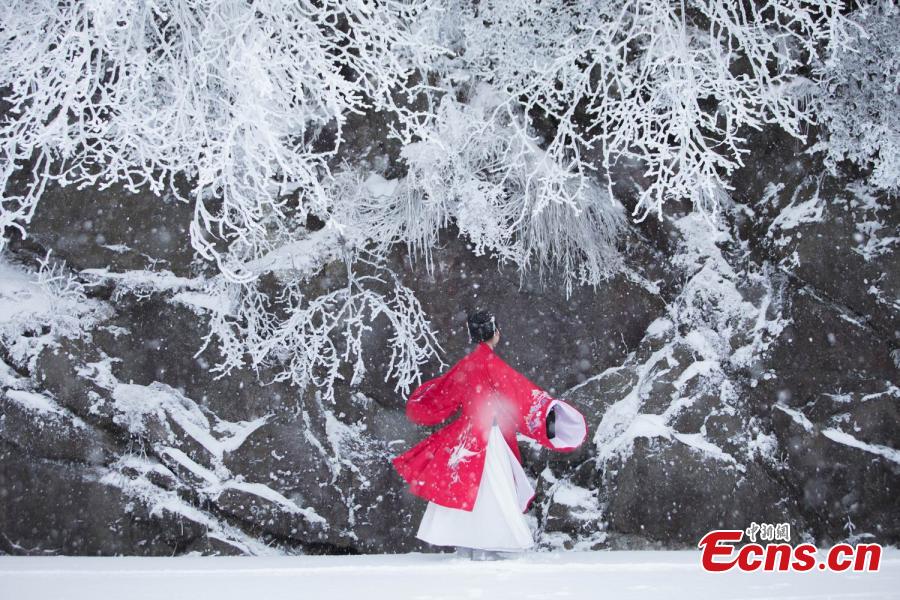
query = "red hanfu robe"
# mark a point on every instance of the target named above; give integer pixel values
(446, 467)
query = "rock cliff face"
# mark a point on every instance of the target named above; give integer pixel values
(731, 373)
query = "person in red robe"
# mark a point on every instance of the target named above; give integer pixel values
(470, 470)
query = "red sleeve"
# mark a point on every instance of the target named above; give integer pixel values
(433, 401)
(534, 404)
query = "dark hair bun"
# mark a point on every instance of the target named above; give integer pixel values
(482, 326)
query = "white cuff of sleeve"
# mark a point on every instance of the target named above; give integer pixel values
(569, 429)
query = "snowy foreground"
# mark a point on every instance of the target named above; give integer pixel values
(597, 575)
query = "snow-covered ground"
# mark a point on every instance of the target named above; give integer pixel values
(620, 575)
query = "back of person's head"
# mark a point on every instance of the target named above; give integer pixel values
(482, 326)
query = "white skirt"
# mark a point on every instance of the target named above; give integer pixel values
(496, 522)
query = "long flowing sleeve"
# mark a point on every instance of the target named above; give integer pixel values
(534, 408)
(433, 401)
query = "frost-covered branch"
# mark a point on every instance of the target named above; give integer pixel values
(310, 338)
(670, 84)
(509, 116)
(859, 99)
(230, 95)
(486, 173)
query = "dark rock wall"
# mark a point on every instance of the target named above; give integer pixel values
(733, 374)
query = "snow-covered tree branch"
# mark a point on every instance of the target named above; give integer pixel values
(230, 95)
(510, 116)
(478, 165)
(310, 338)
(859, 99)
(672, 85)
